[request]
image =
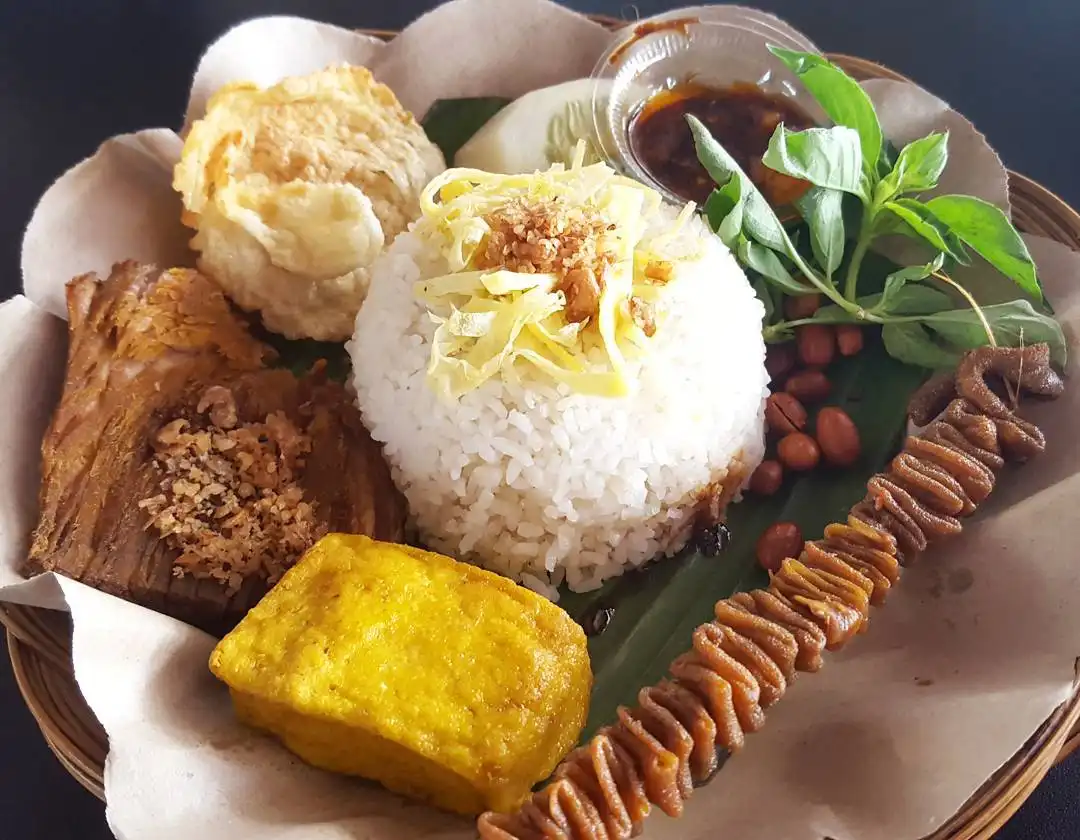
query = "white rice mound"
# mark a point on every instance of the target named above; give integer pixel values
(544, 485)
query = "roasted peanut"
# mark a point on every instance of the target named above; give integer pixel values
(779, 359)
(780, 541)
(837, 436)
(767, 478)
(784, 413)
(801, 306)
(808, 386)
(798, 451)
(816, 344)
(849, 339)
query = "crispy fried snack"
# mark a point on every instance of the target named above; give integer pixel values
(294, 190)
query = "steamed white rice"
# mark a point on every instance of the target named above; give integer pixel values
(544, 485)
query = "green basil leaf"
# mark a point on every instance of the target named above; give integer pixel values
(898, 279)
(759, 220)
(761, 289)
(918, 299)
(918, 166)
(826, 157)
(767, 263)
(724, 210)
(839, 96)
(823, 210)
(884, 191)
(888, 158)
(833, 314)
(888, 223)
(922, 222)
(799, 235)
(1013, 324)
(910, 343)
(987, 231)
(451, 123)
(853, 212)
(916, 272)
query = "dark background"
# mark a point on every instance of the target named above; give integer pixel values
(77, 71)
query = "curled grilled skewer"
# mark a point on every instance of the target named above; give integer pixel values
(742, 662)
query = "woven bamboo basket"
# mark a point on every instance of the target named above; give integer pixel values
(39, 641)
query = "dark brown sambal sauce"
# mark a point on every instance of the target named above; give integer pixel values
(741, 117)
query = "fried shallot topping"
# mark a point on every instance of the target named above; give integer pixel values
(552, 237)
(230, 500)
(659, 271)
(644, 315)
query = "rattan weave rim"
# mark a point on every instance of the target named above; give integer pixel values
(39, 641)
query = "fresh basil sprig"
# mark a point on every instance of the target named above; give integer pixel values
(743, 219)
(852, 163)
(839, 95)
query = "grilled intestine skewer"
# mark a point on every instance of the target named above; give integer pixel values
(741, 663)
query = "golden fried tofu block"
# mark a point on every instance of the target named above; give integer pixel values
(438, 679)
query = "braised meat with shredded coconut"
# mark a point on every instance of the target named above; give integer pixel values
(179, 470)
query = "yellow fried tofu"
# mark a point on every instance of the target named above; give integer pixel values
(438, 679)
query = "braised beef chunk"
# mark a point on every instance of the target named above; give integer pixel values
(147, 495)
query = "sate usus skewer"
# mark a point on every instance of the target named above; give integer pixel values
(741, 662)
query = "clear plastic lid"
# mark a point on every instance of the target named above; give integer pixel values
(715, 46)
